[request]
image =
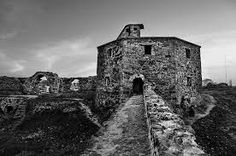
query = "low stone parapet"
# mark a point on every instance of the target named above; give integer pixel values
(168, 134)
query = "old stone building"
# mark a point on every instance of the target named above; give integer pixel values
(172, 66)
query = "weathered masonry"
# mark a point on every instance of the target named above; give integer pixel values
(172, 66)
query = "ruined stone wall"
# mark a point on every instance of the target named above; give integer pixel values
(109, 74)
(78, 84)
(158, 68)
(10, 86)
(51, 83)
(188, 75)
(12, 107)
(34, 84)
(167, 132)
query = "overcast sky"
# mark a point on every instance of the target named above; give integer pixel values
(62, 35)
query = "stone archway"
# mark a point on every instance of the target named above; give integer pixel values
(138, 86)
(75, 85)
(40, 78)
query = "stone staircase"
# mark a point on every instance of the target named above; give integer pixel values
(126, 133)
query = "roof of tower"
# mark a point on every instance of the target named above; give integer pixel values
(132, 31)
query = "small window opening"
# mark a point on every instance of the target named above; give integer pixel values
(109, 51)
(168, 56)
(107, 81)
(128, 31)
(9, 109)
(187, 52)
(148, 49)
(135, 29)
(189, 81)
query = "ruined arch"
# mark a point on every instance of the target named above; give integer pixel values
(41, 78)
(137, 81)
(75, 85)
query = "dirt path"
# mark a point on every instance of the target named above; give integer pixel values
(209, 106)
(125, 134)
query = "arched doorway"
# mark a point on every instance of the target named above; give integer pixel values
(137, 86)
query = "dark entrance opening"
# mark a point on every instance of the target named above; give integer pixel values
(191, 112)
(9, 109)
(137, 86)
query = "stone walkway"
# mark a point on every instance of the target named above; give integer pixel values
(126, 134)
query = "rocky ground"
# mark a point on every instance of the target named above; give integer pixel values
(216, 132)
(51, 126)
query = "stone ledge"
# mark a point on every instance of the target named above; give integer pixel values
(168, 134)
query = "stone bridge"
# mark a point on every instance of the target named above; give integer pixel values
(145, 125)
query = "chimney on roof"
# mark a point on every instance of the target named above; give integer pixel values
(131, 31)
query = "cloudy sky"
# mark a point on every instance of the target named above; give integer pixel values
(62, 35)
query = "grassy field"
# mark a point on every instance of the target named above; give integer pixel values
(216, 133)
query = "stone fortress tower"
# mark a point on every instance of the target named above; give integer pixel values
(170, 65)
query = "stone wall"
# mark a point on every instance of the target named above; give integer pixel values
(167, 68)
(158, 67)
(10, 86)
(12, 107)
(46, 83)
(188, 77)
(42, 82)
(131, 31)
(109, 75)
(78, 84)
(167, 132)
